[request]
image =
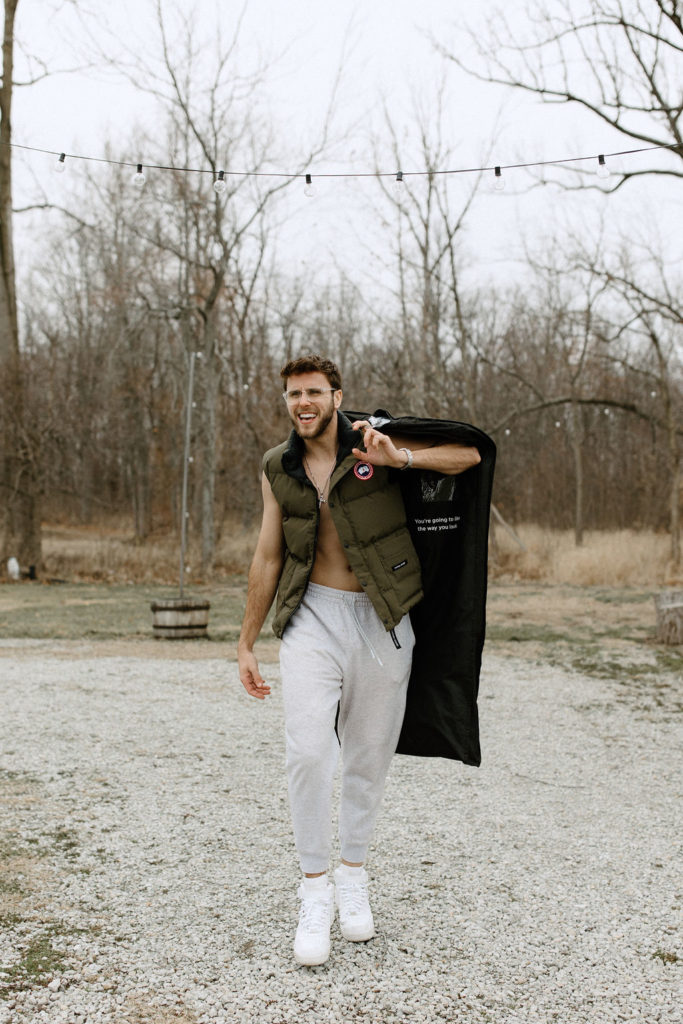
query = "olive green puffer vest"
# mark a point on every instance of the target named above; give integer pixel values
(368, 513)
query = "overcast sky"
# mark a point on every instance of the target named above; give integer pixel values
(387, 58)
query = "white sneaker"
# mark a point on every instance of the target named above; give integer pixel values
(312, 940)
(351, 894)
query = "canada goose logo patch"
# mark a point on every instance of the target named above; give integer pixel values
(363, 470)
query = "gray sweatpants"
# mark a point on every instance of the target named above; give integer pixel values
(339, 665)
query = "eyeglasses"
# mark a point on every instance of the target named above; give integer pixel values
(312, 394)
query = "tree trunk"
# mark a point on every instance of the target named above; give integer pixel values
(577, 450)
(141, 495)
(675, 517)
(669, 609)
(209, 392)
(9, 334)
(674, 452)
(208, 481)
(675, 487)
(19, 471)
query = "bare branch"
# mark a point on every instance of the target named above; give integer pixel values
(620, 68)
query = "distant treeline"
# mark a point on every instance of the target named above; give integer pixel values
(577, 376)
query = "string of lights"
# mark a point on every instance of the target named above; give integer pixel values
(220, 183)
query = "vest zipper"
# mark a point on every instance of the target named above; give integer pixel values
(315, 545)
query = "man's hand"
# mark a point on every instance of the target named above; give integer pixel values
(380, 449)
(441, 457)
(251, 678)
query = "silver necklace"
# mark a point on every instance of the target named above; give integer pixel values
(320, 490)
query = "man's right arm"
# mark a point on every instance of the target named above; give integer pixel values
(264, 576)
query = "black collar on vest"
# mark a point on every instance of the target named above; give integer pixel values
(292, 457)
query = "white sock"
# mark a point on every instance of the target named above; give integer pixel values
(315, 883)
(346, 869)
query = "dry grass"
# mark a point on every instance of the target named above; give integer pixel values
(109, 553)
(616, 558)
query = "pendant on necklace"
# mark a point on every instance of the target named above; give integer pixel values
(322, 500)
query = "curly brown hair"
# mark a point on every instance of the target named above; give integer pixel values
(312, 364)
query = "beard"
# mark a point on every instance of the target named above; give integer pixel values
(317, 426)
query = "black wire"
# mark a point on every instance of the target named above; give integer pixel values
(343, 174)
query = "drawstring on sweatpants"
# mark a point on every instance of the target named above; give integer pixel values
(365, 638)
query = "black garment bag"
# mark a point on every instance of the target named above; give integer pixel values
(448, 518)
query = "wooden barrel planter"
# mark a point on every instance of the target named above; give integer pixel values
(669, 608)
(180, 618)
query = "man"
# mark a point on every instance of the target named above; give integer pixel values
(335, 546)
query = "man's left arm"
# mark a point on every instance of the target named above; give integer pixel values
(382, 450)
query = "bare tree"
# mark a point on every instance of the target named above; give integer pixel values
(570, 311)
(649, 313)
(20, 462)
(100, 369)
(217, 246)
(617, 59)
(19, 479)
(9, 333)
(427, 225)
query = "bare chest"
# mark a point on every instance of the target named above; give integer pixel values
(331, 566)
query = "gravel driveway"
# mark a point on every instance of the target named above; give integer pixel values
(149, 871)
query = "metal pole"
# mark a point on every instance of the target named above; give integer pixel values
(186, 466)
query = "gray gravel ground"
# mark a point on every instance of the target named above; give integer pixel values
(146, 836)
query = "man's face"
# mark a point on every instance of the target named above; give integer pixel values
(312, 417)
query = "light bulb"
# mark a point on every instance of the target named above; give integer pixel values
(220, 184)
(309, 187)
(138, 178)
(498, 180)
(603, 169)
(60, 166)
(399, 185)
